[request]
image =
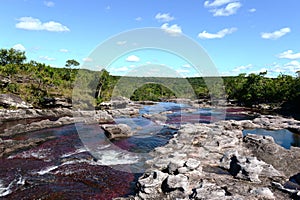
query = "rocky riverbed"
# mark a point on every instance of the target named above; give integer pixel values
(210, 160)
(215, 161)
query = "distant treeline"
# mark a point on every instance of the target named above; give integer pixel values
(33, 81)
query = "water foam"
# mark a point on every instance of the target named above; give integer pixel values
(47, 170)
(113, 157)
(4, 191)
(42, 154)
(81, 150)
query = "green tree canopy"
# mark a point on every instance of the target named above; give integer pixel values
(11, 56)
(72, 62)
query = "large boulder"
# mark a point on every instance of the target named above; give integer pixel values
(113, 131)
(11, 100)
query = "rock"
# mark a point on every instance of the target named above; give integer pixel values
(147, 102)
(246, 167)
(265, 149)
(263, 192)
(119, 102)
(180, 101)
(103, 117)
(208, 190)
(149, 185)
(174, 165)
(11, 100)
(263, 106)
(63, 102)
(126, 112)
(273, 122)
(4, 81)
(113, 131)
(175, 182)
(115, 103)
(243, 124)
(54, 102)
(192, 163)
(34, 126)
(21, 114)
(156, 117)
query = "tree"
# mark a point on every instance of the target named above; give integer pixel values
(72, 62)
(11, 56)
(104, 81)
(69, 76)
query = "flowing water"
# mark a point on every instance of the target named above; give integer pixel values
(81, 163)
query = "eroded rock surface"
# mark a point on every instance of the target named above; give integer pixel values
(215, 161)
(11, 100)
(113, 131)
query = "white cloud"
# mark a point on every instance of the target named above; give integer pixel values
(64, 50)
(186, 66)
(19, 47)
(138, 19)
(164, 17)
(259, 71)
(121, 43)
(230, 9)
(46, 58)
(132, 58)
(173, 30)
(107, 8)
(242, 68)
(30, 23)
(223, 7)
(49, 3)
(288, 68)
(220, 34)
(252, 10)
(289, 54)
(87, 60)
(274, 69)
(292, 66)
(122, 69)
(182, 71)
(276, 34)
(217, 3)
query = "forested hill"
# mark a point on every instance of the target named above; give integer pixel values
(36, 83)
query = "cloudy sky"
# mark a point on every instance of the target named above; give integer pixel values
(240, 36)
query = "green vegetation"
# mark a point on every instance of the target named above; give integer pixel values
(256, 89)
(152, 92)
(34, 81)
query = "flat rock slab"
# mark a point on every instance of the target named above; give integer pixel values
(113, 131)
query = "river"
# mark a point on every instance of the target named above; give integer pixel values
(66, 167)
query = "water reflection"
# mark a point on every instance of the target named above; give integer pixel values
(284, 137)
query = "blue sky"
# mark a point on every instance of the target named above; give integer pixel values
(240, 36)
